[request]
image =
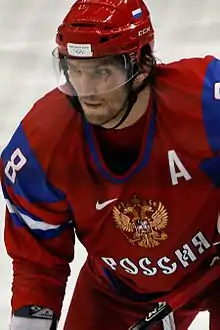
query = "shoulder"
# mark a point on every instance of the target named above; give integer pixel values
(189, 85)
(188, 92)
(204, 78)
(51, 121)
(41, 140)
(190, 74)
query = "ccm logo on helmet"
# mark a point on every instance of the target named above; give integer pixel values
(144, 31)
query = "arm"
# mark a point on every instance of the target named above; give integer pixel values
(38, 229)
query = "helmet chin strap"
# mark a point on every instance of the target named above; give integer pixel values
(131, 101)
(132, 98)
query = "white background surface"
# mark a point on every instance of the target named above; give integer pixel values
(27, 30)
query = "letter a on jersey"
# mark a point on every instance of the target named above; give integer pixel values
(177, 170)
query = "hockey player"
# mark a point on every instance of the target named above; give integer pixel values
(124, 154)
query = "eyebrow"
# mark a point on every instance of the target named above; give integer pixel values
(96, 64)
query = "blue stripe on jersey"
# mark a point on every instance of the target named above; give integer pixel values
(211, 167)
(145, 158)
(211, 104)
(126, 291)
(22, 218)
(24, 173)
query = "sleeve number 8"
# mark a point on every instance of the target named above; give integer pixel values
(15, 164)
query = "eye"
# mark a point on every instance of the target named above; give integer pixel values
(103, 72)
(75, 70)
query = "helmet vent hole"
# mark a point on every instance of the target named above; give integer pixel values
(83, 24)
(105, 38)
(108, 27)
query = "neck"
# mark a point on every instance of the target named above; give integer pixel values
(137, 111)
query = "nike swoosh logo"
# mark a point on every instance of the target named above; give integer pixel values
(100, 206)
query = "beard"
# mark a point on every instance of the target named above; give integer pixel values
(105, 113)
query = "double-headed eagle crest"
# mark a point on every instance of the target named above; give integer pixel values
(142, 222)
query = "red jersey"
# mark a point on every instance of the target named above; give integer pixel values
(147, 219)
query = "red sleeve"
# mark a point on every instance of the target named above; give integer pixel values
(39, 233)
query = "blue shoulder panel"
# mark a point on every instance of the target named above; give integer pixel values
(211, 104)
(211, 117)
(24, 174)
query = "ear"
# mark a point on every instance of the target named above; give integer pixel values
(141, 76)
(139, 80)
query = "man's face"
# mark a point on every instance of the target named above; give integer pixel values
(100, 87)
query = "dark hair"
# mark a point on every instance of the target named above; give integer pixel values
(147, 59)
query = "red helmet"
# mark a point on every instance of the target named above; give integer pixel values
(98, 28)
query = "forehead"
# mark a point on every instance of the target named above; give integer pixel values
(93, 63)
